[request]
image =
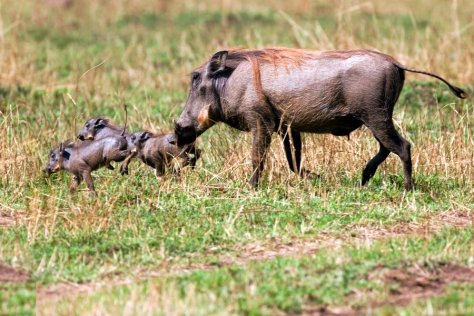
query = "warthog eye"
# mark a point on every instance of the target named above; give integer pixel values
(196, 78)
(87, 125)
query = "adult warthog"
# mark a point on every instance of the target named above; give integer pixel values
(290, 91)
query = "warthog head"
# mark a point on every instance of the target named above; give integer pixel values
(91, 127)
(138, 138)
(55, 160)
(203, 103)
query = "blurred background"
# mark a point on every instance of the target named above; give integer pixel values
(48, 42)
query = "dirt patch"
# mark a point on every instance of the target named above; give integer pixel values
(354, 235)
(415, 282)
(270, 249)
(273, 248)
(426, 226)
(6, 220)
(9, 274)
(9, 217)
(46, 295)
(331, 311)
(404, 287)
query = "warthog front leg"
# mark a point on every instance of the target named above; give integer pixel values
(76, 180)
(160, 168)
(126, 162)
(86, 175)
(261, 139)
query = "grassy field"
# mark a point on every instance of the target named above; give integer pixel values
(207, 243)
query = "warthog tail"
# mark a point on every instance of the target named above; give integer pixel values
(460, 93)
(126, 118)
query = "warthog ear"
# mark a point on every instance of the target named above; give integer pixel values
(66, 155)
(217, 63)
(100, 123)
(61, 153)
(144, 136)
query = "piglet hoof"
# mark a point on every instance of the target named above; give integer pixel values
(124, 171)
(110, 167)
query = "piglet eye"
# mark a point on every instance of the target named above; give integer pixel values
(87, 125)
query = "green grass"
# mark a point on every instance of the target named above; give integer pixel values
(79, 243)
(62, 66)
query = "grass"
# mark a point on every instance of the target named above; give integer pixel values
(61, 66)
(288, 285)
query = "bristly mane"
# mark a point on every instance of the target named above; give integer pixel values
(276, 56)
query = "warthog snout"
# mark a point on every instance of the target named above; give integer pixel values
(184, 134)
(82, 136)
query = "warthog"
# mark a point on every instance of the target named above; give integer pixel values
(101, 127)
(290, 91)
(158, 151)
(81, 158)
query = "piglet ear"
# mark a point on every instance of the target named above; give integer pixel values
(61, 153)
(217, 63)
(99, 123)
(144, 136)
(66, 155)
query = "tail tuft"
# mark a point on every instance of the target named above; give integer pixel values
(460, 93)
